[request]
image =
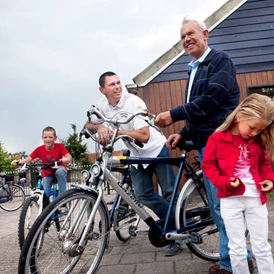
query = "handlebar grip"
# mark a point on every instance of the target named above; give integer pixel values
(19, 164)
(93, 111)
(83, 132)
(138, 143)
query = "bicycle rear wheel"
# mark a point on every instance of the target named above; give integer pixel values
(195, 212)
(28, 215)
(60, 252)
(124, 216)
(16, 199)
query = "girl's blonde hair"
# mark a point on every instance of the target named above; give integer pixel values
(255, 106)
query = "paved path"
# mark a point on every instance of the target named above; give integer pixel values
(137, 256)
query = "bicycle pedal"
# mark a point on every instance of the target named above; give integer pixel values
(196, 238)
(132, 230)
(94, 236)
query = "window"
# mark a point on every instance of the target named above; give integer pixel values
(264, 89)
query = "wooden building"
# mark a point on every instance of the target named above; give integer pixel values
(244, 29)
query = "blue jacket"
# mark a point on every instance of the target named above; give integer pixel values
(214, 95)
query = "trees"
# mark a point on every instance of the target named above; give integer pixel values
(78, 151)
(4, 160)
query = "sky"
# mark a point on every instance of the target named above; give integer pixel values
(53, 52)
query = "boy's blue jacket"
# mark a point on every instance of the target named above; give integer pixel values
(214, 95)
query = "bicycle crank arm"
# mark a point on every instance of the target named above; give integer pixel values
(176, 236)
(141, 232)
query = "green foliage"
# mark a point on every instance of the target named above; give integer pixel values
(5, 160)
(78, 151)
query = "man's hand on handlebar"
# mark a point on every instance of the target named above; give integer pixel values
(104, 135)
(173, 140)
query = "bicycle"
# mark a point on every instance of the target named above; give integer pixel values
(12, 196)
(38, 200)
(79, 247)
(123, 218)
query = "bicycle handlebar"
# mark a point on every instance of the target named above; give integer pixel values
(52, 164)
(116, 122)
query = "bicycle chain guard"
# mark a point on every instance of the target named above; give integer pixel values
(157, 239)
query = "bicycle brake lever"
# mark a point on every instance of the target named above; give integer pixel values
(55, 165)
(94, 111)
(152, 125)
(23, 168)
(151, 117)
(134, 147)
(130, 140)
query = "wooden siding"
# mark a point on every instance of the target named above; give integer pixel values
(247, 35)
(164, 96)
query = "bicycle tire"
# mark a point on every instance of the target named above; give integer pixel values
(193, 210)
(123, 217)
(27, 217)
(17, 199)
(57, 255)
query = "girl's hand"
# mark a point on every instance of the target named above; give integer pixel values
(266, 185)
(234, 182)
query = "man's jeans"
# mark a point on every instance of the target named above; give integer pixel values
(214, 204)
(143, 185)
(61, 175)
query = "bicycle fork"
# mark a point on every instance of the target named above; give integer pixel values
(75, 247)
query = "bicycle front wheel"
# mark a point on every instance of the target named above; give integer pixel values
(195, 213)
(29, 213)
(16, 198)
(62, 232)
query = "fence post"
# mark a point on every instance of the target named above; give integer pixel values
(32, 178)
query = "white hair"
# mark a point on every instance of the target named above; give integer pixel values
(200, 23)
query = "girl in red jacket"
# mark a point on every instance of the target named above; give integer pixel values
(236, 161)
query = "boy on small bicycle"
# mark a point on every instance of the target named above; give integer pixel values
(50, 151)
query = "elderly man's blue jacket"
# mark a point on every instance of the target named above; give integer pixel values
(214, 95)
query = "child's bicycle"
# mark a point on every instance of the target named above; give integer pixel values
(38, 200)
(84, 234)
(12, 196)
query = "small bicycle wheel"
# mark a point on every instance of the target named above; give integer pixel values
(124, 216)
(61, 251)
(194, 212)
(29, 213)
(16, 198)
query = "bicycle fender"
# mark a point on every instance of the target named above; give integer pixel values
(187, 188)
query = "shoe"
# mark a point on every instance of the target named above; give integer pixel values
(223, 271)
(62, 210)
(251, 266)
(172, 249)
(215, 269)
